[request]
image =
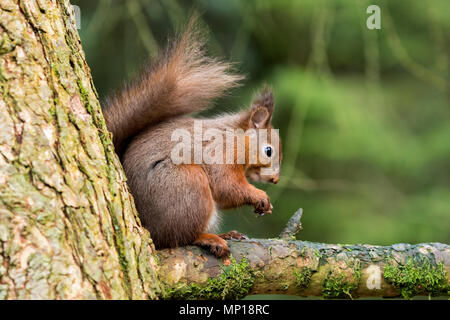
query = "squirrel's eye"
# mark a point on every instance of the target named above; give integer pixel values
(268, 151)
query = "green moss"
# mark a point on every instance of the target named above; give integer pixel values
(85, 98)
(3, 73)
(303, 277)
(340, 284)
(121, 250)
(318, 254)
(3, 88)
(234, 282)
(417, 277)
(72, 118)
(338, 287)
(52, 110)
(6, 44)
(55, 70)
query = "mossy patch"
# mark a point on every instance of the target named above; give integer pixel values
(6, 44)
(417, 277)
(85, 98)
(338, 287)
(234, 282)
(339, 284)
(302, 277)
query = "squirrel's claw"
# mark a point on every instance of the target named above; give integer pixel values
(263, 207)
(233, 235)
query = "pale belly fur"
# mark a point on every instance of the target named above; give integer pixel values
(214, 221)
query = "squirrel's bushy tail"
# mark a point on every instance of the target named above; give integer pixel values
(181, 81)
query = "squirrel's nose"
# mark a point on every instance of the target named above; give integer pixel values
(274, 180)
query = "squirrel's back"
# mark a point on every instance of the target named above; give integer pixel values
(182, 81)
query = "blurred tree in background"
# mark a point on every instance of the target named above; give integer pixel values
(364, 114)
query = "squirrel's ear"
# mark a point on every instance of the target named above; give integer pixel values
(262, 109)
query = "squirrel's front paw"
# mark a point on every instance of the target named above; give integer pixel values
(263, 207)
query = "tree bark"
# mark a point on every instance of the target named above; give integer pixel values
(68, 225)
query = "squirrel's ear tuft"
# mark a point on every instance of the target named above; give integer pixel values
(262, 109)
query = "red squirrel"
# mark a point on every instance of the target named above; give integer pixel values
(179, 203)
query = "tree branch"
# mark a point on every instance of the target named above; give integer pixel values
(276, 266)
(293, 226)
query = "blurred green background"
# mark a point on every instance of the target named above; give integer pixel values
(364, 114)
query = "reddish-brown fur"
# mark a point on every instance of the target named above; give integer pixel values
(178, 203)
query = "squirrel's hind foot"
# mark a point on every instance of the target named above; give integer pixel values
(216, 245)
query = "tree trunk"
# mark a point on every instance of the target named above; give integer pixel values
(68, 225)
